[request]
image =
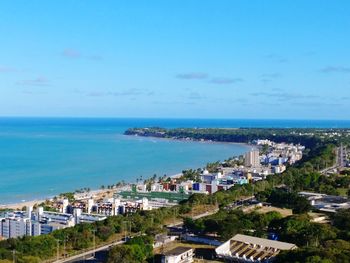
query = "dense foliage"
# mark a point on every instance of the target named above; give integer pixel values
(228, 223)
(284, 199)
(135, 250)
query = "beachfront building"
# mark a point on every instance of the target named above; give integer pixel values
(40, 222)
(243, 248)
(13, 227)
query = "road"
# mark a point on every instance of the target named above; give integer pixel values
(177, 224)
(340, 160)
(88, 254)
(240, 203)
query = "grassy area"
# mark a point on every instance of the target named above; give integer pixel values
(283, 211)
(171, 196)
(200, 209)
(343, 191)
(195, 211)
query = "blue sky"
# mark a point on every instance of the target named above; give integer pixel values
(202, 59)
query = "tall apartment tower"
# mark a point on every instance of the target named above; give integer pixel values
(252, 159)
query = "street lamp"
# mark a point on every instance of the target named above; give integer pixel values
(58, 249)
(125, 229)
(64, 247)
(94, 231)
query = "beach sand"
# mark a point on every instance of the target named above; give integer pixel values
(19, 205)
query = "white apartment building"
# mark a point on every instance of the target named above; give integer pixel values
(15, 227)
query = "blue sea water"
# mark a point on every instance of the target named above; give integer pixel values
(41, 157)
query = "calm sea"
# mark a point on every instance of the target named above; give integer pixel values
(41, 157)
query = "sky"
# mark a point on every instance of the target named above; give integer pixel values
(175, 59)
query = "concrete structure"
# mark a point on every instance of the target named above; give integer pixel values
(178, 255)
(252, 159)
(13, 227)
(162, 239)
(242, 248)
(326, 203)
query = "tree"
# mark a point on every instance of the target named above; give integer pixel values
(341, 219)
(145, 244)
(121, 254)
(301, 205)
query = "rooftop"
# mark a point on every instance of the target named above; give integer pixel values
(177, 251)
(252, 248)
(264, 242)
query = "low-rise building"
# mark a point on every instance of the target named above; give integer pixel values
(178, 255)
(326, 203)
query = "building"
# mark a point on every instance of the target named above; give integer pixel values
(252, 159)
(171, 196)
(163, 239)
(13, 227)
(30, 223)
(178, 255)
(326, 203)
(242, 248)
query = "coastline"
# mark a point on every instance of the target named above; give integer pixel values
(20, 204)
(188, 140)
(94, 192)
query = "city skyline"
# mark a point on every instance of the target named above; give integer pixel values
(239, 59)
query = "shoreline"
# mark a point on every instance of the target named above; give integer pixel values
(187, 140)
(20, 204)
(93, 192)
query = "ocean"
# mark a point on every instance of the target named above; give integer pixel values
(42, 157)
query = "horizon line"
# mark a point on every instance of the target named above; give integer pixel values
(163, 118)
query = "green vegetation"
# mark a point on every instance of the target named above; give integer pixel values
(191, 174)
(329, 252)
(283, 199)
(135, 250)
(69, 196)
(307, 137)
(228, 223)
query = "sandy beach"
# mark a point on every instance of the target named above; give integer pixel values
(19, 205)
